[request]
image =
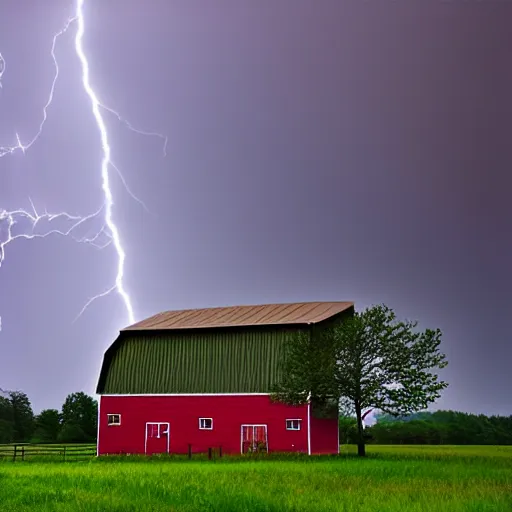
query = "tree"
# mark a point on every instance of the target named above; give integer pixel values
(348, 429)
(48, 424)
(6, 432)
(81, 410)
(23, 416)
(442, 427)
(6, 420)
(6, 413)
(72, 433)
(369, 360)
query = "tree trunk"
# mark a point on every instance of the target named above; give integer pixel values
(361, 449)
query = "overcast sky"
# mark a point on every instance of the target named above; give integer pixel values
(317, 150)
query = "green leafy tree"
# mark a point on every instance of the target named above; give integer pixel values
(6, 432)
(369, 360)
(72, 433)
(6, 413)
(348, 429)
(81, 410)
(6, 419)
(23, 416)
(48, 424)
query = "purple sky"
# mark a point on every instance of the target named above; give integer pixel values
(318, 150)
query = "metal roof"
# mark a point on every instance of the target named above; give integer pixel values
(243, 316)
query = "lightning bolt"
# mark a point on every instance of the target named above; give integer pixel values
(2, 68)
(19, 145)
(109, 201)
(22, 223)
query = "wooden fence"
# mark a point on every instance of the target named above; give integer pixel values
(40, 452)
(68, 453)
(26, 452)
(213, 453)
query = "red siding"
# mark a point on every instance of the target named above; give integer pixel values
(229, 413)
(324, 435)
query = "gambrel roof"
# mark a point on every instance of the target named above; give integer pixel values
(234, 349)
(299, 313)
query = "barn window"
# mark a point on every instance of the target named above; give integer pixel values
(205, 424)
(114, 419)
(293, 424)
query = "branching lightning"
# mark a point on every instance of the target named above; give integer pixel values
(19, 145)
(2, 68)
(109, 200)
(23, 223)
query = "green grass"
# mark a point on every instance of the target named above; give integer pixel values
(392, 478)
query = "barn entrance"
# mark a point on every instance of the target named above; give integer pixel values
(157, 438)
(254, 439)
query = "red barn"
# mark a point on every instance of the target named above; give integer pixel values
(203, 378)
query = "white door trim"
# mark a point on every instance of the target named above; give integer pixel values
(98, 429)
(309, 427)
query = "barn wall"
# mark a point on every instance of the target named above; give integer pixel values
(183, 413)
(324, 435)
(200, 362)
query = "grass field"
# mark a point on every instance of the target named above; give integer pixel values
(392, 478)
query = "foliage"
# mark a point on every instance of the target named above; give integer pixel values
(388, 418)
(80, 410)
(72, 433)
(348, 429)
(22, 414)
(48, 425)
(369, 360)
(18, 423)
(6, 431)
(443, 427)
(6, 421)
(6, 412)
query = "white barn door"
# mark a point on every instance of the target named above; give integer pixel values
(157, 438)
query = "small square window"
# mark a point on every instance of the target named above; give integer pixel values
(114, 419)
(293, 424)
(205, 424)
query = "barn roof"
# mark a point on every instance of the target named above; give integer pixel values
(298, 313)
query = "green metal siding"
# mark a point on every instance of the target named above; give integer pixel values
(199, 362)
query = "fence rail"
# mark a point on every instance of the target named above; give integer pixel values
(23, 452)
(35, 452)
(67, 453)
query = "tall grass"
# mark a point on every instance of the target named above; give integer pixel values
(400, 478)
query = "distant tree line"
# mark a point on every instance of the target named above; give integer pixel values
(440, 427)
(75, 423)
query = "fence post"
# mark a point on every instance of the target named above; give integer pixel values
(64, 455)
(220, 451)
(209, 454)
(189, 451)
(22, 453)
(14, 454)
